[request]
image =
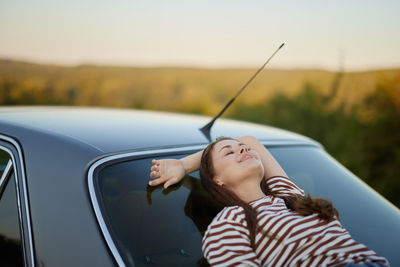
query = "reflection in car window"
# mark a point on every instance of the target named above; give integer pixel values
(155, 226)
(10, 235)
(152, 226)
(4, 158)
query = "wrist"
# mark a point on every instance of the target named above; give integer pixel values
(182, 162)
(191, 163)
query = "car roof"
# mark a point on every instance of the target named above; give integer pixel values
(111, 130)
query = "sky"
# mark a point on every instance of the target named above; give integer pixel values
(357, 35)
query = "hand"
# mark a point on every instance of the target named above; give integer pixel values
(167, 171)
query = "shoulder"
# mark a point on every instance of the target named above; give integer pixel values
(227, 240)
(283, 186)
(231, 213)
(232, 217)
(230, 223)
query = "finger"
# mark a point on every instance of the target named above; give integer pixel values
(170, 182)
(154, 168)
(156, 182)
(155, 162)
(154, 174)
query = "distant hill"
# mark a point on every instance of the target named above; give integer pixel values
(365, 140)
(197, 90)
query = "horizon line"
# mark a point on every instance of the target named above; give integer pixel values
(189, 66)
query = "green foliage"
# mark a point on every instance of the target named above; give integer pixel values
(356, 120)
(365, 137)
(381, 136)
(193, 90)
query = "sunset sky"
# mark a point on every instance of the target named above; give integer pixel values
(219, 33)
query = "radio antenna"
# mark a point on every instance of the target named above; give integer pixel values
(207, 128)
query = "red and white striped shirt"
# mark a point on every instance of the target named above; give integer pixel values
(299, 240)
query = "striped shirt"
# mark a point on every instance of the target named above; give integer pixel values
(287, 239)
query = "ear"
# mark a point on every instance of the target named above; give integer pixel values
(218, 181)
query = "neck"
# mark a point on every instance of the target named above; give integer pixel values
(249, 191)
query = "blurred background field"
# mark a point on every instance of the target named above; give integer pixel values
(354, 115)
(336, 80)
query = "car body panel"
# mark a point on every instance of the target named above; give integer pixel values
(370, 218)
(59, 146)
(115, 130)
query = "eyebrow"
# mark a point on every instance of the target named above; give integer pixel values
(226, 146)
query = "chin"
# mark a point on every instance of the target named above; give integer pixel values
(255, 169)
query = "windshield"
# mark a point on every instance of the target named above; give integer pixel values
(152, 226)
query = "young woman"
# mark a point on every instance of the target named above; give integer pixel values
(266, 219)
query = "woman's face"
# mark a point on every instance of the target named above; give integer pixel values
(234, 163)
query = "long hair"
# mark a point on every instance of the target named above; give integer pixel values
(223, 197)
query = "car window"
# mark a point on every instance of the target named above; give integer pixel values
(10, 235)
(368, 217)
(4, 158)
(152, 226)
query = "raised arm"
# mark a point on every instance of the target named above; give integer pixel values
(276, 178)
(171, 171)
(271, 166)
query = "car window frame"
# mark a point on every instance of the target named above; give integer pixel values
(13, 149)
(107, 160)
(5, 176)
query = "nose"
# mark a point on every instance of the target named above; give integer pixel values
(242, 149)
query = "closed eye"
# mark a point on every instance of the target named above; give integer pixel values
(230, 152)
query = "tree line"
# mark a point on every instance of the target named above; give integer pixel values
(364, 137)
(355, 116)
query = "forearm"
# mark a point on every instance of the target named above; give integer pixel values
(271, 166)
(191, 163)
(171, 171)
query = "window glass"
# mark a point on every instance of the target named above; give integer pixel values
(155, 226)
(152, 226)
(368, 217)
(10, 236)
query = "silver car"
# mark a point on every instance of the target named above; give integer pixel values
(73, 188)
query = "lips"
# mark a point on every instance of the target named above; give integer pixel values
(245, 157)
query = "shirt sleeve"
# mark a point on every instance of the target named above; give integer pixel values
(227, 243)
(283, 186)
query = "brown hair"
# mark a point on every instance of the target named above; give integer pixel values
(223, 197)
